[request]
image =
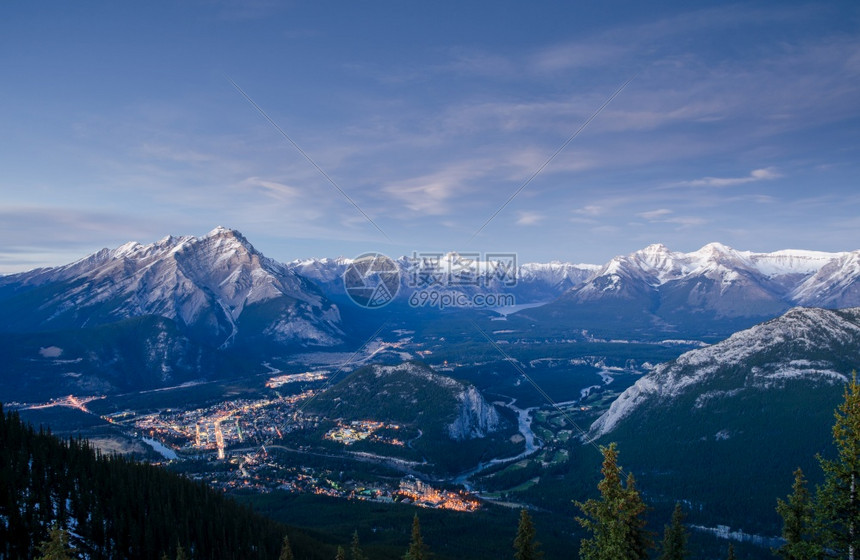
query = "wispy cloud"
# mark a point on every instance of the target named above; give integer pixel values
(666, 216)
(273, 189)
(764, 174)
(655, 214)
(529, 218)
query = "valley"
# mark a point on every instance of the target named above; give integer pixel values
(249, 433)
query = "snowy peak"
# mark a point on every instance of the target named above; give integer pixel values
(836, 284)
(716, 270)
(203, 283)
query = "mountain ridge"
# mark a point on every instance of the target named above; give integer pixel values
(205, 284)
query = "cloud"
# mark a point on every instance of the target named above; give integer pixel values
(426, 195)
(764, 174)
(666, 216)
(654, 214)
(272, 189)
(528, 218)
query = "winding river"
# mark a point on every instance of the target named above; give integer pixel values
(533, 444)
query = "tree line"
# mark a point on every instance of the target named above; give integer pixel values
(115, 507)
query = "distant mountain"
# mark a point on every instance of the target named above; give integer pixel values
(535, 282)
(713, 291)
(722, 427)
(834, 285)
(216, 288)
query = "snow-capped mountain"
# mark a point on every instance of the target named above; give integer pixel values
(217, 287)
(716, 276)
(656, 288)
(805, 343)
(834, 285)
(529, 282)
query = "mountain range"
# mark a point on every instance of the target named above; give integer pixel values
(163, 309)
(712, 292)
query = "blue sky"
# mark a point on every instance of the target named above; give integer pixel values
(741, 125)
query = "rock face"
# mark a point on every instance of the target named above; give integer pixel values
(475, 416)
(216, 287)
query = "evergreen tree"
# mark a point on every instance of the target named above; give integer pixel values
(355, 548)
(797, 517)
(616, 520)
(286, 550)
(837, 508)
(56, 547)
(417, 549)
(180, 553)
(341, 554)
(524, 545)
(675, 537)
(731, 555)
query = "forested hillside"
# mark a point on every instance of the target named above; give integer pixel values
(116, 508)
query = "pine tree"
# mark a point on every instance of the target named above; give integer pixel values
(675, 537)
(837, 508)
(525, 546)
(355, 548)
(797, 517)
(616, 520)
(286, 550)
(731, 555)
(56, 547)
(417, 549)
(341, 554)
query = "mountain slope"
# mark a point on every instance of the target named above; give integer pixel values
(722, 427)
(141, 353)
(217, 288)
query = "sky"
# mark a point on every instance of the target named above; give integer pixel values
(564, 131)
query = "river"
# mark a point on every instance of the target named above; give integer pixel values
(524, 423)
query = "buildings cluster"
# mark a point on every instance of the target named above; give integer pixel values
(217, 427)
(358, 430)
(306, 377)
(263, 473)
